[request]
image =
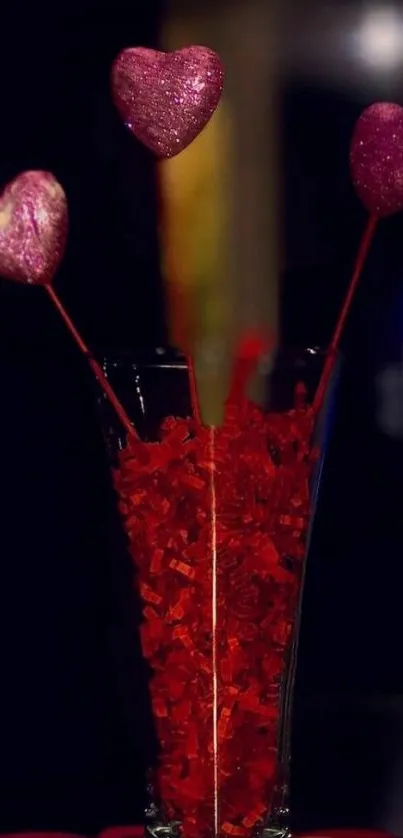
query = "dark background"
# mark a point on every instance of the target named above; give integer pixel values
(74, 719)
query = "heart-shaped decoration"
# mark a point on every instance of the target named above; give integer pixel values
(376, 158)
(166, 99)
(33, 228)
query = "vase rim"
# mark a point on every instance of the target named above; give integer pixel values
(169, 356)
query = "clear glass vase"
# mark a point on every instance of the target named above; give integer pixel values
(218, 522)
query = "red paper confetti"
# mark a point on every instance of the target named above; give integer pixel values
(217, 522)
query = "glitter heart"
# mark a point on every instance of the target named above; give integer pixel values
(376, 158)
(33, 228)
(166, 99)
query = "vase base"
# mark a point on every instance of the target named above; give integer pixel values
(163, 830)
(173, 831)
(277, 826)
(157, 827)
(274, 832)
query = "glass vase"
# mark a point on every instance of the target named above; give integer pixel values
(217, 522)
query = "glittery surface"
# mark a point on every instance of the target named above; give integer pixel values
(376, 158)
(166, 99)
(33, 228)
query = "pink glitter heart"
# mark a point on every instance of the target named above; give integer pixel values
(166, 99)
(376, 158)
(33, 228)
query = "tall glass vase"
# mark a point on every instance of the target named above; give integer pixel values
(217, 522)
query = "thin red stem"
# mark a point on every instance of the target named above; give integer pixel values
(194, 399)
(95, 366)
(362, 254)
(250, 349)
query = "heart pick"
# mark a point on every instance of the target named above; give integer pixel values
(376, 158)
(33, 228)
(166, 99)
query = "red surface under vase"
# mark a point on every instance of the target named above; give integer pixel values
(217, 522)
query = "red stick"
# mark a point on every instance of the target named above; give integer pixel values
(250, 349)
(96, 368)
(345, 310)
(194, 399)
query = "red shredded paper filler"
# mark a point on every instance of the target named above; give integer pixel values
(217, 522)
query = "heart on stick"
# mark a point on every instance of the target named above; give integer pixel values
(33, 235)
(376, 158)
(33, 228)
(166, 99)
